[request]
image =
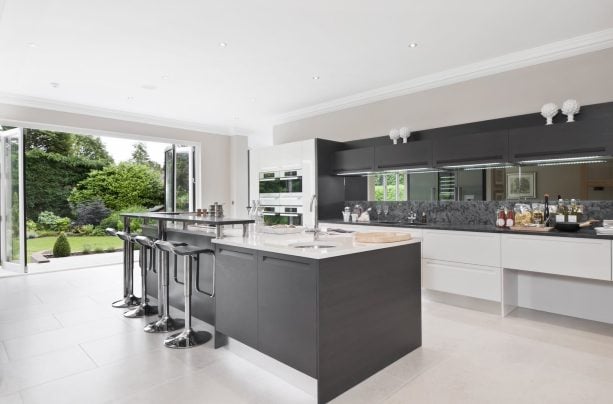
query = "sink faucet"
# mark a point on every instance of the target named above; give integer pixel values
(313, 209)
(412, 216)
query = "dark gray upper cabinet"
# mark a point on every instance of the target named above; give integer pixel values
(562, 140)
(362, 159)
(287, 310)
(474, 148)
(414, 154)
(237, 294)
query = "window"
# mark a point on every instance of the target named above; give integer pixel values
(389, 187)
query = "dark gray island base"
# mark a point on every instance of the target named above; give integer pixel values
(339, 319)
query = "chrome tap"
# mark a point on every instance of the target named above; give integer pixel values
(313, 209)
(412, 216)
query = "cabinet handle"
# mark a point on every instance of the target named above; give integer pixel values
(284, 261)
(237, 254)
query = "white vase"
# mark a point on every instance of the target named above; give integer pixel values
(570, 108)
(548, 111)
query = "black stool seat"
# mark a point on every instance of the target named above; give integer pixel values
(110, 231)
(126, 237)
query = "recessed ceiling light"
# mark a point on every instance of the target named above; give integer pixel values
(130, 98)
(164, 77)
(32, 45)
(252, 99)
(413, 45)
(236, 118)
(54, 84)
(223, 44)
(316, 77)
(149, 87)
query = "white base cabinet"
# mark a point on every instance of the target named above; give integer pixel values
(478, 281)
(568, 256)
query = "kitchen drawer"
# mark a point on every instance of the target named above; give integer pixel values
(462, 246)
(584, 258)
(462, 279)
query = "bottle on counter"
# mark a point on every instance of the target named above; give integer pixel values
(561, 212)
(424, 218)
(501, 218)
(510, 218)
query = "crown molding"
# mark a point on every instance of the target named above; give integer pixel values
(80, 109)
(541, 54)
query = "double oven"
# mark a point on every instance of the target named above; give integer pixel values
(281, 196)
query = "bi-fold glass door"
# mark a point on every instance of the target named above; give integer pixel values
(180, 179)
(12, 201)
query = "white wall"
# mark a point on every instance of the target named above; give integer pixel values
(586, 78)
(218, 176)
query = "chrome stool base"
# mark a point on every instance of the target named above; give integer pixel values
(126, 302)
(141, 311)
(166, 324)
(187, 339)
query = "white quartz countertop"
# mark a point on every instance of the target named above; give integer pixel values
(343, 244)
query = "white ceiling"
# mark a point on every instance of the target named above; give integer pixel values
(104, 54)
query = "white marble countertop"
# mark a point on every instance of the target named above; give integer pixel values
(343, 244)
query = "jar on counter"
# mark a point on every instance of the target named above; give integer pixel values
(510, 216)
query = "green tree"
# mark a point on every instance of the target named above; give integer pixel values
(90, 147)
(49, 141)
(50, 177)
(61, 248)
(121, 186)
(140, 155)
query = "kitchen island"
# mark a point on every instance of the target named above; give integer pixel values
(336, 310)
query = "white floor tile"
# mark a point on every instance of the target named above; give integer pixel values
(11, 399)
(50, 341)
(17, 375)
(25, 327)
(18, 299)
(4, 358)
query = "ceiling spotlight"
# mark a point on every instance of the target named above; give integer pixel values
(130, 98)
(223, 44)
(149, 87)
(316, 77)
(31, 44)
(54, 84)
(164, 77)
(413, 45)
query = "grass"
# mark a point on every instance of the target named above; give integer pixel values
(77, 244)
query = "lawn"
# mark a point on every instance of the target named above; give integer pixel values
(77, 244)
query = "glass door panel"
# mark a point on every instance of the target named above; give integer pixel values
(12, 201)
(179, 179)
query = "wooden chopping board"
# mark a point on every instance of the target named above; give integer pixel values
(381, 237)
(532, 229)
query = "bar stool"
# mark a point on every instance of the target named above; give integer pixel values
(147, 263)
(129, 300)
(189, 338)
(165, 323)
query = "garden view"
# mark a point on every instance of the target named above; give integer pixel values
(74, 190)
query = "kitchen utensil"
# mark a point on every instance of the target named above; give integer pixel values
(536, 229)
(563, 226)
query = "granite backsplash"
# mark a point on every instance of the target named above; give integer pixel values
(461, 212)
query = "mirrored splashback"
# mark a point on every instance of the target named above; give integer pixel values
(584, 181)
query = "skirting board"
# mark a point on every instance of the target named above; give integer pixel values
(286, 373)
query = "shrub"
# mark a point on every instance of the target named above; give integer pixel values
(61, 248)
(98, 231)
(98, 250)
(110, 249)
(86, 250)
(50, 221)
(85, 230)
(115, 221)
(30, 225)
(120, 186)
(32, 234)
(91, 213)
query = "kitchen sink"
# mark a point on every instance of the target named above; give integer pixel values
(313, 245)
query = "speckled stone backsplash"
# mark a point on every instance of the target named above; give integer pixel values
(462, 212)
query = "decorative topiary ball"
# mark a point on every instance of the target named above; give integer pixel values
(61, 248)
(549, 111)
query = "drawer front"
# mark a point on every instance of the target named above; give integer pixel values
(462, 279)
(462, 246)
(583, 258)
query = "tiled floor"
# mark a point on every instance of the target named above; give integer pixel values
(61, 342)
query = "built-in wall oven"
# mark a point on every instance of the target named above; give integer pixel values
(270, 188)
(291, 188)
(282, 188)
(290, 215)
